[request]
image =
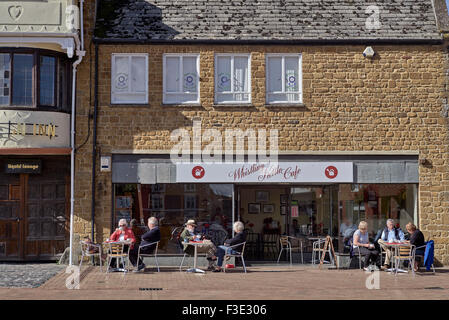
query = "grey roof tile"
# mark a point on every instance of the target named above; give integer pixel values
(263, 19)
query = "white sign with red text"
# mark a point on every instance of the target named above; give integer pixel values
(261, 172)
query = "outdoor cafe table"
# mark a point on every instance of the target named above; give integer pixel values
(395, 249)
(195, 244)
(125, 242)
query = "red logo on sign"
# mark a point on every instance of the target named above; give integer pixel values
(198, 172)
(331, 172)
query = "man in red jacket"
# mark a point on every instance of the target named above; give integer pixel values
(123, 233)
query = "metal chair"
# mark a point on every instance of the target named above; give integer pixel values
(405, 253)
(421, 247)
(149, 254)
(269, 242)
(287, 246)
(86, 251)
(318, 248)
(117, 250)
(236, 254)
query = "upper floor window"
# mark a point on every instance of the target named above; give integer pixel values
(284, 78)
(129, 83)
(181, 79)
(34, 78)
(232, 78)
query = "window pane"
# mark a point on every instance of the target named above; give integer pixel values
(138, 74)
(64, 102)
(291, 74)
(223, 74)
(172, 74)
(47, 80)
(241, 74)
(5, 78)
(23, 80)
(274, 74)
(121, 76)
(190, 75)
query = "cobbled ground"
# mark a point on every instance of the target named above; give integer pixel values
(27, 275)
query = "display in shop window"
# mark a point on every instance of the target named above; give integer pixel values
(253, 208)
(268, 208)
(262, 196)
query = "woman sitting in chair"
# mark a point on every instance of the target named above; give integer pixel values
(361, 245)
(123, 233)
(416, 239)
(239, 237)
(208, 247)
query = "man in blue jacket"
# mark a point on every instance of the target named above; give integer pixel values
(151, 236)
(390, 234)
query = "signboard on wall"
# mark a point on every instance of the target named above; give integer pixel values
(275, 172)
(23, 166)
(34, 129)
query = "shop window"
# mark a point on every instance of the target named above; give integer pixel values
(129, 80)
(283, 79)
(173, 205)
(35, 79)
(181, 79)
(232, 79)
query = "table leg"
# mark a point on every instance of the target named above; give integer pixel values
(195, 269)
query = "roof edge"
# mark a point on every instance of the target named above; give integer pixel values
(270, 42)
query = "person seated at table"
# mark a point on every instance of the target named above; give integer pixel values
(207, 247)
(137, 230)
(123, 233)
(389, 234)
(360, 243)
(151, 236)
(416, 239)
(239, 237)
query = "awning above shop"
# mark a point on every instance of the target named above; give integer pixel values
(151, 169)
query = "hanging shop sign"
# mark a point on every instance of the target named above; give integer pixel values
(275, 172)
(23, 166)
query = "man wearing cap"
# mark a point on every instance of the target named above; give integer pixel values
(208, 247)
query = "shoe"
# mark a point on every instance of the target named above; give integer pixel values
(139, 268)
(227, 258)
(384, 267)
(217, 269)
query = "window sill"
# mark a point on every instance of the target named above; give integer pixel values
(127, 105)
(235, 105)
(27, 108)
(180, 105)
(285, 105)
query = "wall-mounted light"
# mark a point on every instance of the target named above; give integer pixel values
(369, 52)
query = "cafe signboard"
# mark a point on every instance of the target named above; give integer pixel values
(23, 166)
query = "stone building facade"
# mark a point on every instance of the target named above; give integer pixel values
(388, 109)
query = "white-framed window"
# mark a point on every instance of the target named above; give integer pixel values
(181, 73)
(189, 187)
(158, 187)
(129, 78)
(232, 78)
(284, 78)
(157, 202)
(190, 202)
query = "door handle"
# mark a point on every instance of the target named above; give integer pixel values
(18, 220)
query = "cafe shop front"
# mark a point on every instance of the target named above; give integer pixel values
(301, 196)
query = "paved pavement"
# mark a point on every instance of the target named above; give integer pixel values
(278, 282)
(27, 275)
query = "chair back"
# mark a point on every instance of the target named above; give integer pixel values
(405, 251)
(86, 247)
(116, 247)
(284, 241)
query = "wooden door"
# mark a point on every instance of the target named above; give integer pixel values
(46, 217)
(11, 217)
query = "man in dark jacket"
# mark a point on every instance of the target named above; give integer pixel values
(151, 236)
(239, 237)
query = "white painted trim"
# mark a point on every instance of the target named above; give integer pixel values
(68, 44)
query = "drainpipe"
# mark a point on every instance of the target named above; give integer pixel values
(80, 53)
(94, 142)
